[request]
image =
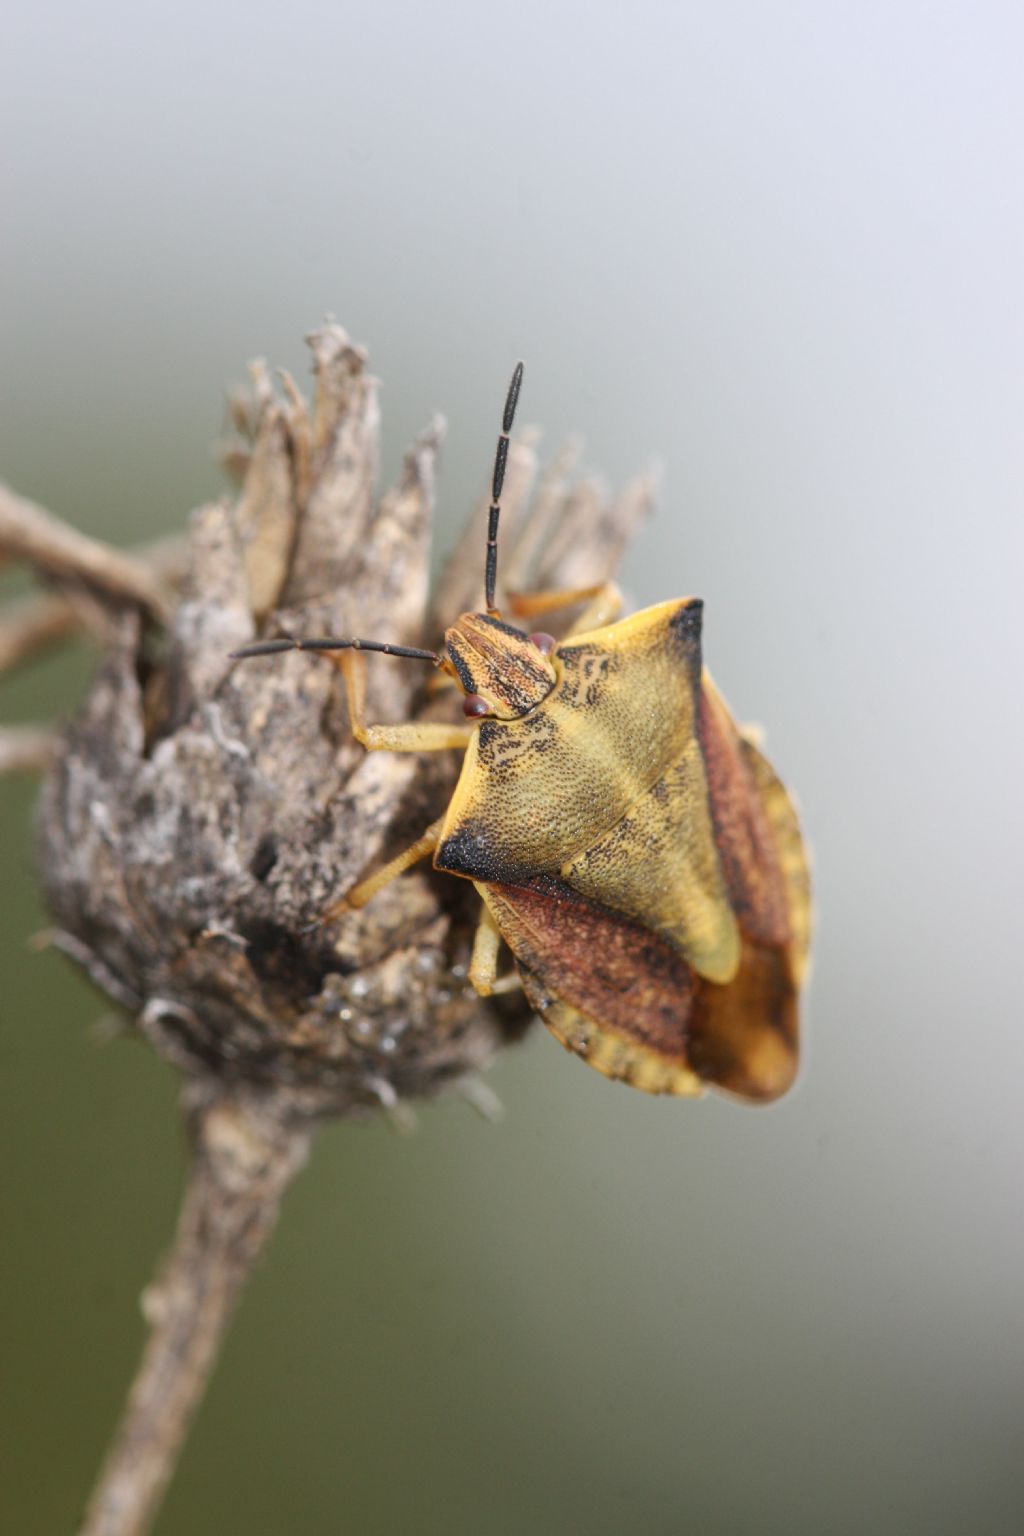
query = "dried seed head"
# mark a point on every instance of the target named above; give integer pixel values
(200, 815)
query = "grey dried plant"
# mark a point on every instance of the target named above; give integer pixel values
(198, 816)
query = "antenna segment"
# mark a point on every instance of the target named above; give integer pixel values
(273, 647)
(498, 480)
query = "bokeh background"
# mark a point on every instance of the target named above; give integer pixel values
(780, 247)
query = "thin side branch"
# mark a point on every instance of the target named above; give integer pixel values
(29, 532)
(30, 626)
(244, 1157)
(26, 748)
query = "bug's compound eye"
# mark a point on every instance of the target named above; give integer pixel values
(545, 643)
(473, 706)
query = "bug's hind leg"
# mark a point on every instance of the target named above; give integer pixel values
(483, 966)
(604, 604)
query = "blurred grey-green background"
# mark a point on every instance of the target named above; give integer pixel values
(781, 247)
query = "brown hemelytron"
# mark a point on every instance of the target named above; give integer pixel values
(631, 846)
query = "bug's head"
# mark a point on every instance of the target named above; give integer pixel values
(502, 671)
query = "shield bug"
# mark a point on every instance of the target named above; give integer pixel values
(632, 847)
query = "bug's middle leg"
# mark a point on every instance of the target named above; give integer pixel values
(366, 889)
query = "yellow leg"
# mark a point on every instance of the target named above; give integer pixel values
(510, 983)
(483, 965)
(360, 894)
(414, 736)
(604, 603)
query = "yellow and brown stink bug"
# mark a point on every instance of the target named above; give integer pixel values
(631, 846)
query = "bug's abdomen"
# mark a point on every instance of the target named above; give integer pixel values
(610, 990)
(625, 1001)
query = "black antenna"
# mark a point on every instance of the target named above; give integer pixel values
(273, 647)
(511, 401)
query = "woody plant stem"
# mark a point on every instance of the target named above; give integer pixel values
(244, 1155)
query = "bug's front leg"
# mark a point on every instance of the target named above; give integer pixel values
(604, 604)
(413, 736)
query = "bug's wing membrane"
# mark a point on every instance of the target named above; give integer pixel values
(744, 1037)
(615, 994)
